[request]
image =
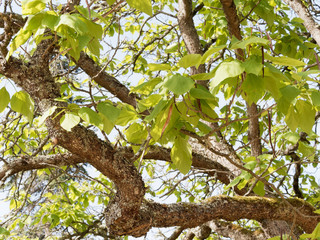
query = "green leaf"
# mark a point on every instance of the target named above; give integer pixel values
(306, 150)
(50, 20)
(72, 21)
(126, 115)
(4, 98)
(306, 115)
(94, 46)
(159, 67)
(21, 102)
(55, 220)
(4, 231)
(157, 109)
(20, 39)
(251, 40)
(142, 5)
(69, 120)
(284, 61)
(136, 133)
(292, 137)
(207, 108)
(147, 87)
(110, 2)
(259, 189)
(292, 118)
(46, 114)
(226, 70)
(34, 22)
(181, 154)
(31, 7)
(172, 48)
(253, 86)
(253, 65)
(90, 116)
(211, 50)
(109, 111)
(289, 93)
(178, 84)
(201, 94)
(190, 60)
(106, 124)
(187, 114)
(315, 97)
(150, 101)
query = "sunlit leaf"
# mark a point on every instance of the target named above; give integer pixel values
(307, 115)
(142, 5)
(226, 70)
(178, 84)
(181, 154)
(4, 98)
(158, 67)
(21, 38)
(21, 102)
(285, 61)
(89, 116)
(47, 114)
(259, 189)
(109, 111)
(31, 7)
(190, 60)
(69, 120)
(250, 40)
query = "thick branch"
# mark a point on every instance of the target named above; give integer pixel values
(26, 163)
(188, 215)
(233, 231)
(189, 32)
(105, 80)
(308, 21)
(36, 79)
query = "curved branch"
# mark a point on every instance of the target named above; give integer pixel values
(26, 163)
(188, 215)
(36, 79)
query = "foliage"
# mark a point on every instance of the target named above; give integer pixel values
(190, 122)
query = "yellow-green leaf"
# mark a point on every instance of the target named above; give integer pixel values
(142, 5)
(285, 61)
(4, 98)
(69, 120)
(181, 154)
(21, 102)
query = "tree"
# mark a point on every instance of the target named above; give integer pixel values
(211, 104)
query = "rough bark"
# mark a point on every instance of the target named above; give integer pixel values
(189, 32)
(230, 11)
(188, 215)
(36, 79)
(26, 163)
(128, 213)
(105, 80)
(308, 21)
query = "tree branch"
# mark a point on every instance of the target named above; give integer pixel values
(188, 215)
(26, 163)
(189, 32)
(105, 80)
(308, 21)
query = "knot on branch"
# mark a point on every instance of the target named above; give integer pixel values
(120, 223)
